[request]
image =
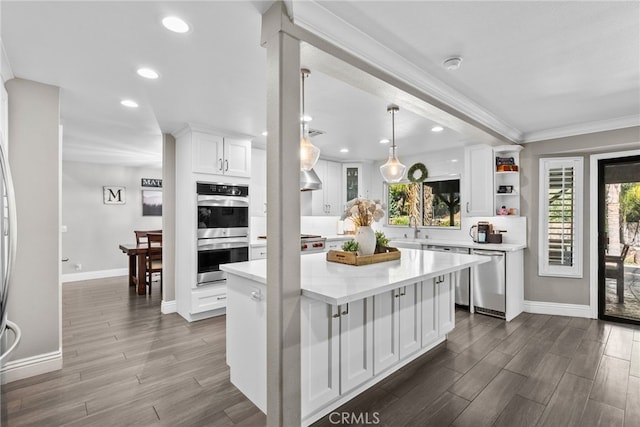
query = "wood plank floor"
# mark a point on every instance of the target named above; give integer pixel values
(126, 364)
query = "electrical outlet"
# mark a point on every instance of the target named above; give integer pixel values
(78, 267)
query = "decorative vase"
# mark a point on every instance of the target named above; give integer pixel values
(366, 238)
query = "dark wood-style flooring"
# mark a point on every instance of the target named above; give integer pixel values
(126, 364)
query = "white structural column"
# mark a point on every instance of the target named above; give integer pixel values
(283, 220)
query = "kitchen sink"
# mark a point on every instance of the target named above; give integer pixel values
(408, 242)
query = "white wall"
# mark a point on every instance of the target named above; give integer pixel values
(34, 158)
(94, 230)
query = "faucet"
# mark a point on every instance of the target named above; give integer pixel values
(415, 225)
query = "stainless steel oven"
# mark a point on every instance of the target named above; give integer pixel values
(223, 229)
(213, 252)
(223, 210)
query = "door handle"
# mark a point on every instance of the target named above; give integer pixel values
(345, 312)
(467, 207)
(220, 167)
(226, 165)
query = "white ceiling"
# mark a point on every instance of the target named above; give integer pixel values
(530, 70)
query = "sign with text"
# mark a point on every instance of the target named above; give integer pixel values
(152, 182)
(113, 195)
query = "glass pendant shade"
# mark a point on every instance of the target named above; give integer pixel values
(309, 153)
(393, 170)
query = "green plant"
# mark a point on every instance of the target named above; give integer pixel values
(381, 239)
(350, 246)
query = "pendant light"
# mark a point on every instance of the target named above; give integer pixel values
(309, 153)
(393, 170)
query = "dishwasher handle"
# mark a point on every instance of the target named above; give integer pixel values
(485, 252)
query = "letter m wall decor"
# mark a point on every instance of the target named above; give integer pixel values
(113, 195)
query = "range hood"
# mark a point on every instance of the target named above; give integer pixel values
(309, 180)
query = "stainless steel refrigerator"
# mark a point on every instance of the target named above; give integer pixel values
(7, 253)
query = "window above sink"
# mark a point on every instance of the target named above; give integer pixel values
(434, 202)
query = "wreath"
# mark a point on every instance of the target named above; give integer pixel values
(417, 167)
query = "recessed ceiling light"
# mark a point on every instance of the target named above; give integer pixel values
(129, 103)
(454, 160)
(147, 73)
(452, 63)
(384, 141)
(437, 129)
(175, 24)
(265, 133)
(306, 118)
(344, 150)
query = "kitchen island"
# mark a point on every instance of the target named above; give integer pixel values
(359, 324)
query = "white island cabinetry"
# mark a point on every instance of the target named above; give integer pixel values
(358, 324)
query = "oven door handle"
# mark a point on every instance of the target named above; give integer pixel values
(223, 202)
(211, 282)
(222, 246)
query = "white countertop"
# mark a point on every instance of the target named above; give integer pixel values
(506, 247)
(337, 284)
(256, 243)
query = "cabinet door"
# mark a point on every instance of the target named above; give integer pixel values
(478, 180)
(386, 339)
(320, 355)
(332, 190)
(429, 309)
(247, 339)
(356, 343)
(237, 157)
(258, 190)
(318, 204)
(446, 304)
(352, 182)
(410, 322)
(207, 153)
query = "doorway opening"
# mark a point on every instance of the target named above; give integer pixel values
(619, 239)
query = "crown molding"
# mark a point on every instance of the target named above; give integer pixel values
(314, 18)
(583, 128)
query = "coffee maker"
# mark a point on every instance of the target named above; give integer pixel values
(480, 231)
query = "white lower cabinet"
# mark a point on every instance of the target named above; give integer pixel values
(396, 326)
(320, 354)
(258, 252)
(356, 343)
(247, 343)
(208, 298)
(446, 304)
(429, 312)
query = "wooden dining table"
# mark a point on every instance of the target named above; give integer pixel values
(137, 254)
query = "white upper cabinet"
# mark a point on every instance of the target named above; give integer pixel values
(258, 188)
(478, 181)
(237, 157)
(326, 201)
(213, 154)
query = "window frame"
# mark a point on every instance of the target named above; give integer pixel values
(544, 267)
(452, 177)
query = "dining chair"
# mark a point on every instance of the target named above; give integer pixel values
(614, 269)
(141, 235)
(154, 257)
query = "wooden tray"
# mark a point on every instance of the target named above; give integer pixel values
(351, 258)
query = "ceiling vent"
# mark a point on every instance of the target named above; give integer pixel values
(315, 132)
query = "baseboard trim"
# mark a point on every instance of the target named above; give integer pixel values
(31, 366)
(558, 309)
(90, 275)
(167, 307)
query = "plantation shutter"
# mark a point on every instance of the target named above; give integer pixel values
(561, 225)
(560, 235)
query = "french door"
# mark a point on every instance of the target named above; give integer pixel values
(619, 239)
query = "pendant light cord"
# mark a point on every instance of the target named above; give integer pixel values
(393, 131)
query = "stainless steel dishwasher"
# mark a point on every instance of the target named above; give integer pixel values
(489, 284)
(461, 277)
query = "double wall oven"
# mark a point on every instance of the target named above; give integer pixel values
(223, 229)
